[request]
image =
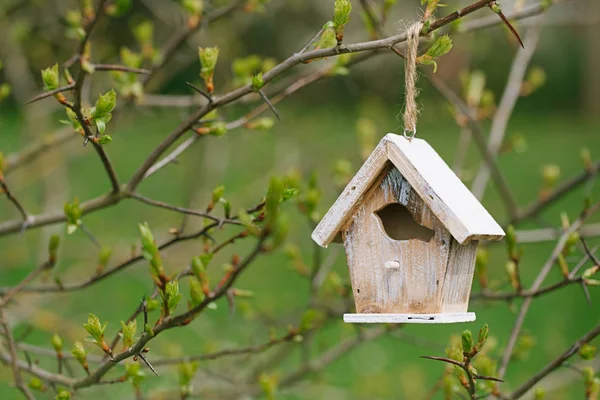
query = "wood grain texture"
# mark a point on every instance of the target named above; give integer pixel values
(456, 289)
(345, 205)
(409, 318)
(416, 286)
(431, 178)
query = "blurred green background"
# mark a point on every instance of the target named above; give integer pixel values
(318, 128)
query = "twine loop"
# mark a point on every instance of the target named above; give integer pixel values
(411, 109)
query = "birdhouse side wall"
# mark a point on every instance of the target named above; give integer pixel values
(456, 289)
(416, 286)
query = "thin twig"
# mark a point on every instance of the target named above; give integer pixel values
(537, 284)
(489, 160)
(559, 192)
(556, 363)
(183, 210)
(507, 105)
(13, 199)
(51, 93)
(122, 68)
(12, 348)
(229, 352)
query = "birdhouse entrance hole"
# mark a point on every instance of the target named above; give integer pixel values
(399, 224)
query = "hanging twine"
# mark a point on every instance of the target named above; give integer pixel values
(411, 109)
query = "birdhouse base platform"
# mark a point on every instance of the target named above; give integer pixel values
(408, 318)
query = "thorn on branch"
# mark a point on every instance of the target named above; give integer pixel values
(122, 68)
(90, 235)
(202, 92)
(496, 8)
(586, 292)
(50, 93)
(144, 310)
(141, 356)
(271, 106)
(444, 359)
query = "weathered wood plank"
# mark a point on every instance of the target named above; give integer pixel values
(457, 283)
(413, 287)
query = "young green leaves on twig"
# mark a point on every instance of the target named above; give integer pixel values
(208, 61)
(127, 83)
(341, 16)
(440, 46)
(135, 376)
(169, 289)
(101, 114)
(152, 255)
(144, 35)
(73, 213)
(96, 330)
(50, 78)
(186, 372)
(462, 357)
(80, 355)
(199, 283)
(128, 331)
(328, 37)
(194, 8)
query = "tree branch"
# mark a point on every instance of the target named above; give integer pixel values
(555, 364)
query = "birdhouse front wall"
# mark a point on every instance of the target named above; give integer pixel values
(400, 256)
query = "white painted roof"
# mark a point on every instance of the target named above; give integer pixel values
(443, 192)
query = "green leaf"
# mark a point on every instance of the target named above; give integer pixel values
(5, 90)
(587, 352)
(269, 385)
(218, 193)
(208, 61)
(246, 220)
(128, 331)
(57, 343)
(79, 352)
(257, 82)
(71, 229)
(442, 45)
(105, 139)
(467, 341)
(171, 295)
(104, 105)
(196, 293)
(134, 374)
(62, 394)
(261, 124)
(327, 39)
(130, 58)
(73, 213)
(36, 384)
(274, 195)
(53, 246)
(50, 77)
(341, 12)
(95, 328)
(482, 337)
(100, 125)
(186, 372)
(193, 7)
(144, 32)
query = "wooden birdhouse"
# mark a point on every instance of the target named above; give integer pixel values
(410, 229)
